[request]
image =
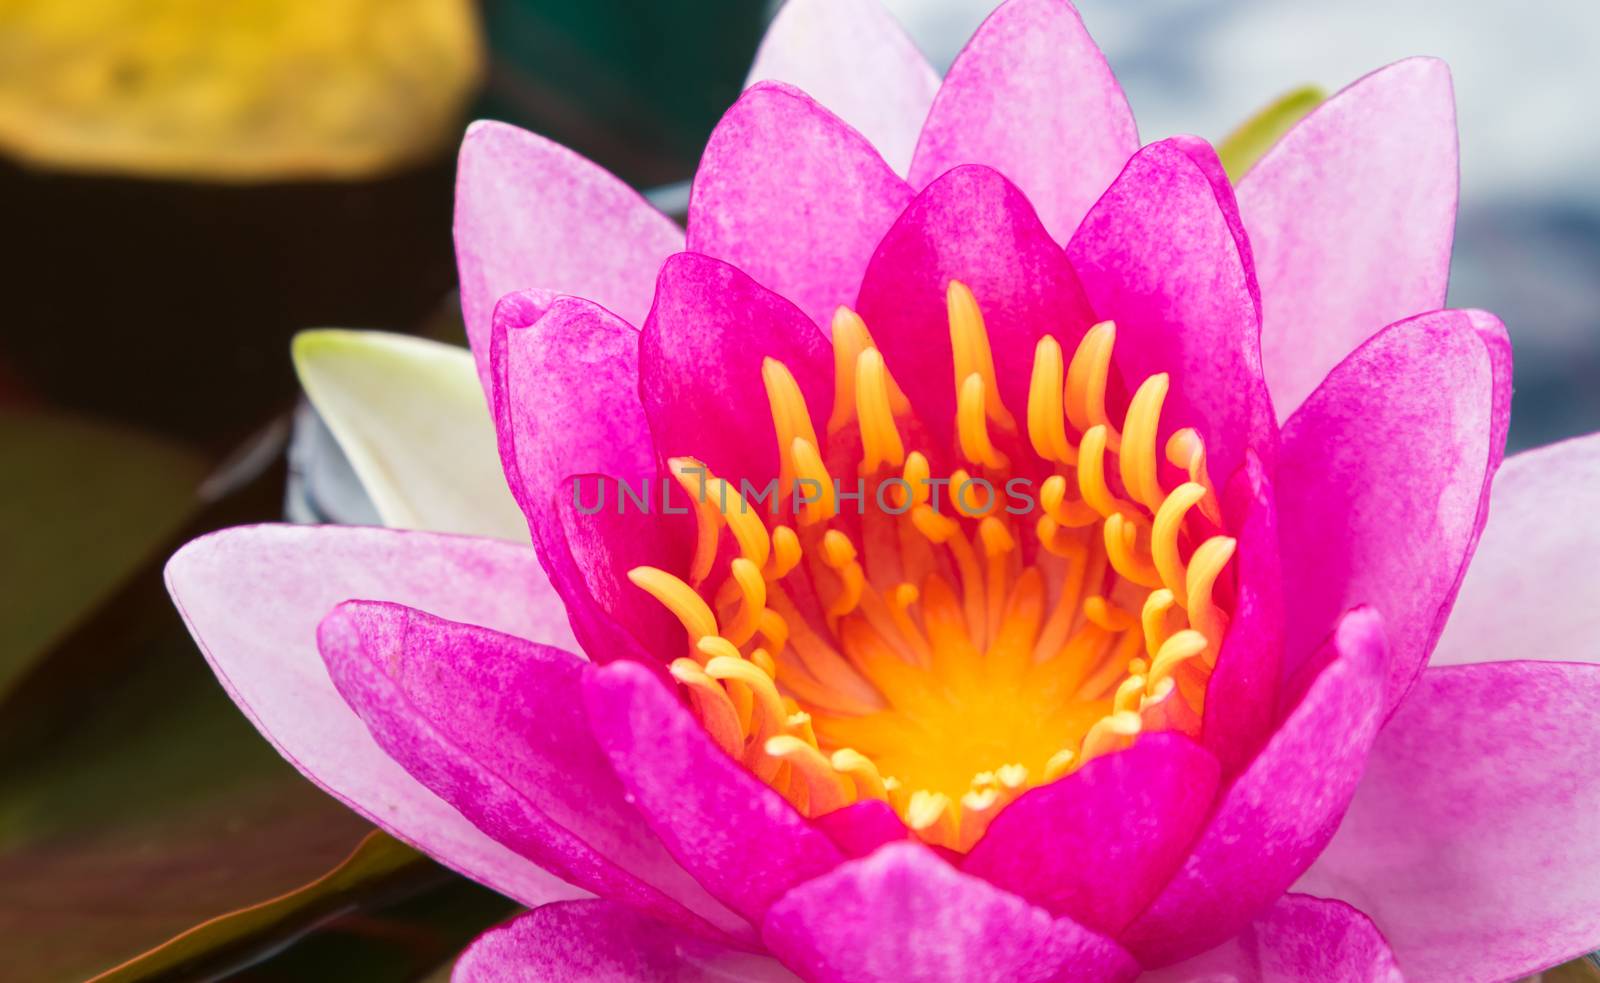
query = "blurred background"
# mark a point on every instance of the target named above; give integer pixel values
(184, 184)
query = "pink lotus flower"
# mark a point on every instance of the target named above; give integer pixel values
(1188, 713)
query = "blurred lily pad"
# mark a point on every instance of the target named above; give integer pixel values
(242, 90)
(152, 807)
(1247, 144)
(377, 858)
(82, 505)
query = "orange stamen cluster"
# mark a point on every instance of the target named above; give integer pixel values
(946, 654)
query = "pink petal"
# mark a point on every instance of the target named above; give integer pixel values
(1032, 97)
(601, 942)
(252, 598)
(1242, 697)
(906, 916)
(1383, 480)
(1163, 255)
(794, 197)
(571, 426)
(531, 213)
(1351, 216)
(1298, 939)
(495, 726)
(1281, 811)
(975, 226)
(1474, 840)
(735, 834)
(700, 359)
(852, 57)
(1537, 555)
(1098, 845)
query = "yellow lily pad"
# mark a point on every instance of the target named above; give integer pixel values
(242, 90)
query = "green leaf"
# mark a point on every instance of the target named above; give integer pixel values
(1240, 149)
(82, 505)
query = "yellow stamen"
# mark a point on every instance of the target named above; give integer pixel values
(971, 425)
(712, 705)
(1086, 380)
(969, 342)
(827, 789)
(1164, 537)
(678, 597)
(927, 654)
(880, 439)
(1204, 568)
(1138, 458)
(1047, 430)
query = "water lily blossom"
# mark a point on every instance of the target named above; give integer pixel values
(1028, 556)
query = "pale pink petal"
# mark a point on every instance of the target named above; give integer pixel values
(531, 213)
(1299, 939)
(1281, 811)
(602, 942)
(1532, 588)
(1474, 840)
(851, 56)
(495, 726)
(1098, 845)
(1351, 216)
(732, 832)
(252, 598)
(904, 915)
(1162, 255)
(1383, 481)
(1032, 97)
(794, 197)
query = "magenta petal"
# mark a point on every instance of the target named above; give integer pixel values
(1383, 480)
(1298, 939)
(903, 915)
(252, 598)
(495, 726)
(1537, 555)
(1242, 697)
(1098, 845)
(1163, 255)
(860, 828)
(1474, 841)
(1351, 216)
(566, 398)
(570, 424)
(602, 547)
(794, 197)
(1032, 96)
(974, 226)
(700, 359)
(1281, 811)
(531, 213)
(852, 57)
(735, 834)
(601, 942)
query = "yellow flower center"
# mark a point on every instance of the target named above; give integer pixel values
(944, 645)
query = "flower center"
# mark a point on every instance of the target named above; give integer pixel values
(951, 640)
